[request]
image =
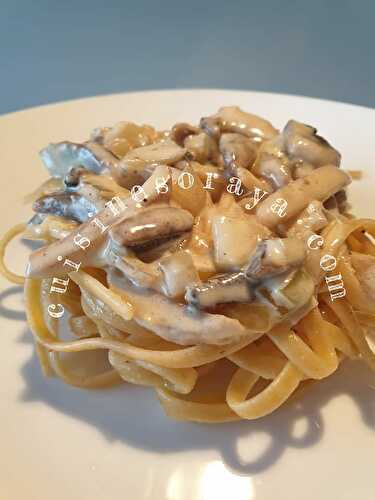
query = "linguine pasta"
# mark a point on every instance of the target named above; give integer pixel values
(217, 263)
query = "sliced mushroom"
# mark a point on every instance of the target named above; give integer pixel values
(49, 260)
(275, 256)
(302, 142)
(139, 163)
(152, 223)
(181, 131)
(152, 252)
(164, 152)
(176, 322)
(124, 136)
(237, 150)
(233, 119)
(296, 152)
(73, 177)
(211, 125)
(319, 185)
(220, 289)
(273, 168)
(331, 205)
(201, 147)
(337, 203)
(72, 206)
(78, 202)
(342, 201)
(61, 157)
(272, 163)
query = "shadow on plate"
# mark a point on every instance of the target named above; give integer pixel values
(10, 291)
(7, 312)
(133, 415)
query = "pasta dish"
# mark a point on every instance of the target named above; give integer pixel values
(218, 263)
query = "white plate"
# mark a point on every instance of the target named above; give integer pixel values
(62, 443)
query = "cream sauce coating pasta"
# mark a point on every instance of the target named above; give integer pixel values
(217, 263)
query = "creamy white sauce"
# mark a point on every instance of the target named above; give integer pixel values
(176, 322)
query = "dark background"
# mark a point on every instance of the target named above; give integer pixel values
(56, 50)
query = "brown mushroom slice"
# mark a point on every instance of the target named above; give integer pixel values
(233, 119)
(181, 131)
(319, 185)
(272, 163)
(273, 257)
(139, 163)
(201, 147)
(178, 273)
(302, 142)
(337, 203)
(49, 260)
(234, 239)
(74, 177)
(237, 150)
(59, 158)
(221, 289)
(177, 322)
(71, 206)
(211, 125)
(152, 252)
(331, 205)
(342, 201)
(159, 246)
(152, 223)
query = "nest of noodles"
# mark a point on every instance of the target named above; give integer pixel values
(247, 378)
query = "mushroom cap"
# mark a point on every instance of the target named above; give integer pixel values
(152, 223)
